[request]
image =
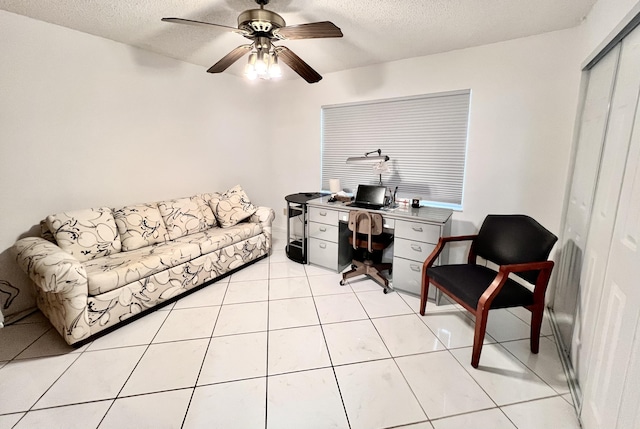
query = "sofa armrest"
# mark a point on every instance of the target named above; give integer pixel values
(61, 283)
(264, 216)
(52, 269)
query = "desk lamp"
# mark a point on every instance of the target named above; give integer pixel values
(380, 162)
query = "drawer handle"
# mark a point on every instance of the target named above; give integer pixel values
(417, 228)
(323, 246)
(322, 213)
(322, 229)
(416, 248)
(415, 268)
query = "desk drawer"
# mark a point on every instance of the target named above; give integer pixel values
(413, 250)
(329, 217)
(323, 253)
(323, 231)
(407, 277)
(417, 231)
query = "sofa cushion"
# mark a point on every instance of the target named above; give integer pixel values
(217, 238)
(232, 207)
(114, 271)
(140, 226)
(203, 202)
(182, 217)
(86, 234)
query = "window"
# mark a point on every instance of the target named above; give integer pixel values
(424, 136)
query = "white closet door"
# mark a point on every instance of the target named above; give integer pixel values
(614, 360)
(610, 287)
(593, 123)
(603, 216)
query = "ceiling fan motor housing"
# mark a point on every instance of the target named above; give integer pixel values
(260, 21)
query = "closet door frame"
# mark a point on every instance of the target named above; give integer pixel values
(626, 26)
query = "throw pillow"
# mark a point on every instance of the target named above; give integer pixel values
(86, 234)
(203, 202)
(232, 207)
(181, 217)
(140, 226)
(214, 200)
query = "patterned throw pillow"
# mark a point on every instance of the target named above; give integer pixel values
(182, 217)
(140, 226)
(232, 207)
(214, 200)
(203, 202)
(86, 234)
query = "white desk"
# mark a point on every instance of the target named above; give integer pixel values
(415, 235)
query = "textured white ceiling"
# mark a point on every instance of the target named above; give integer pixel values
(375, 31)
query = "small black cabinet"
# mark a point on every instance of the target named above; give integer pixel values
(297, 213)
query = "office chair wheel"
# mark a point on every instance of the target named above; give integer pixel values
(342, 283)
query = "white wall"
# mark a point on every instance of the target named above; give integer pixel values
(87, 122)
(523, 103)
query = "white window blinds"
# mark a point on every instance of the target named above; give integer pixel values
(424, 136)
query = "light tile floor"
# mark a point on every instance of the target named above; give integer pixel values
(282, 345)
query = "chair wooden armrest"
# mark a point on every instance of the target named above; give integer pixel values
(490, 293)
(529, 266)
(440, 247)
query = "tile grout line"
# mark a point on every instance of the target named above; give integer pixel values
(204, 358)
(30, 344)
(393, 358)
(333, 368)
(266, 366)
(531, 369)
(134, 368)
(46, 390)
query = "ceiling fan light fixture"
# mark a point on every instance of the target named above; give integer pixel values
(262, 63)
(274, 67)
(250, 69)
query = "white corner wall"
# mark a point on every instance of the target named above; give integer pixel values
(523, 104)
(88, 122)
(602, 20)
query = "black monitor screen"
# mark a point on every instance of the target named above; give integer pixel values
(370, 194)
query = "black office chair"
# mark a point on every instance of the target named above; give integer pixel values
(517, 244)
(368, 236)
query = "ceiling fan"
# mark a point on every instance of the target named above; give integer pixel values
(264, 27)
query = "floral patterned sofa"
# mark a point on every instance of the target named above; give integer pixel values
(96, 268)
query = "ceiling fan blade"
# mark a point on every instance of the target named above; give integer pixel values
(313, 30)
(204, 24)
(229, 59)
(297, 65)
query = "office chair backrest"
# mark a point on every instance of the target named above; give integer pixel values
(363, 222)
(514, 239)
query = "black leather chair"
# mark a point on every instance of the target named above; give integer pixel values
(517, 244)
(367, 234)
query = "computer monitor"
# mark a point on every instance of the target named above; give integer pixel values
(370, 195)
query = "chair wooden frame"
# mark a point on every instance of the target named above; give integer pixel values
(481, 312)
